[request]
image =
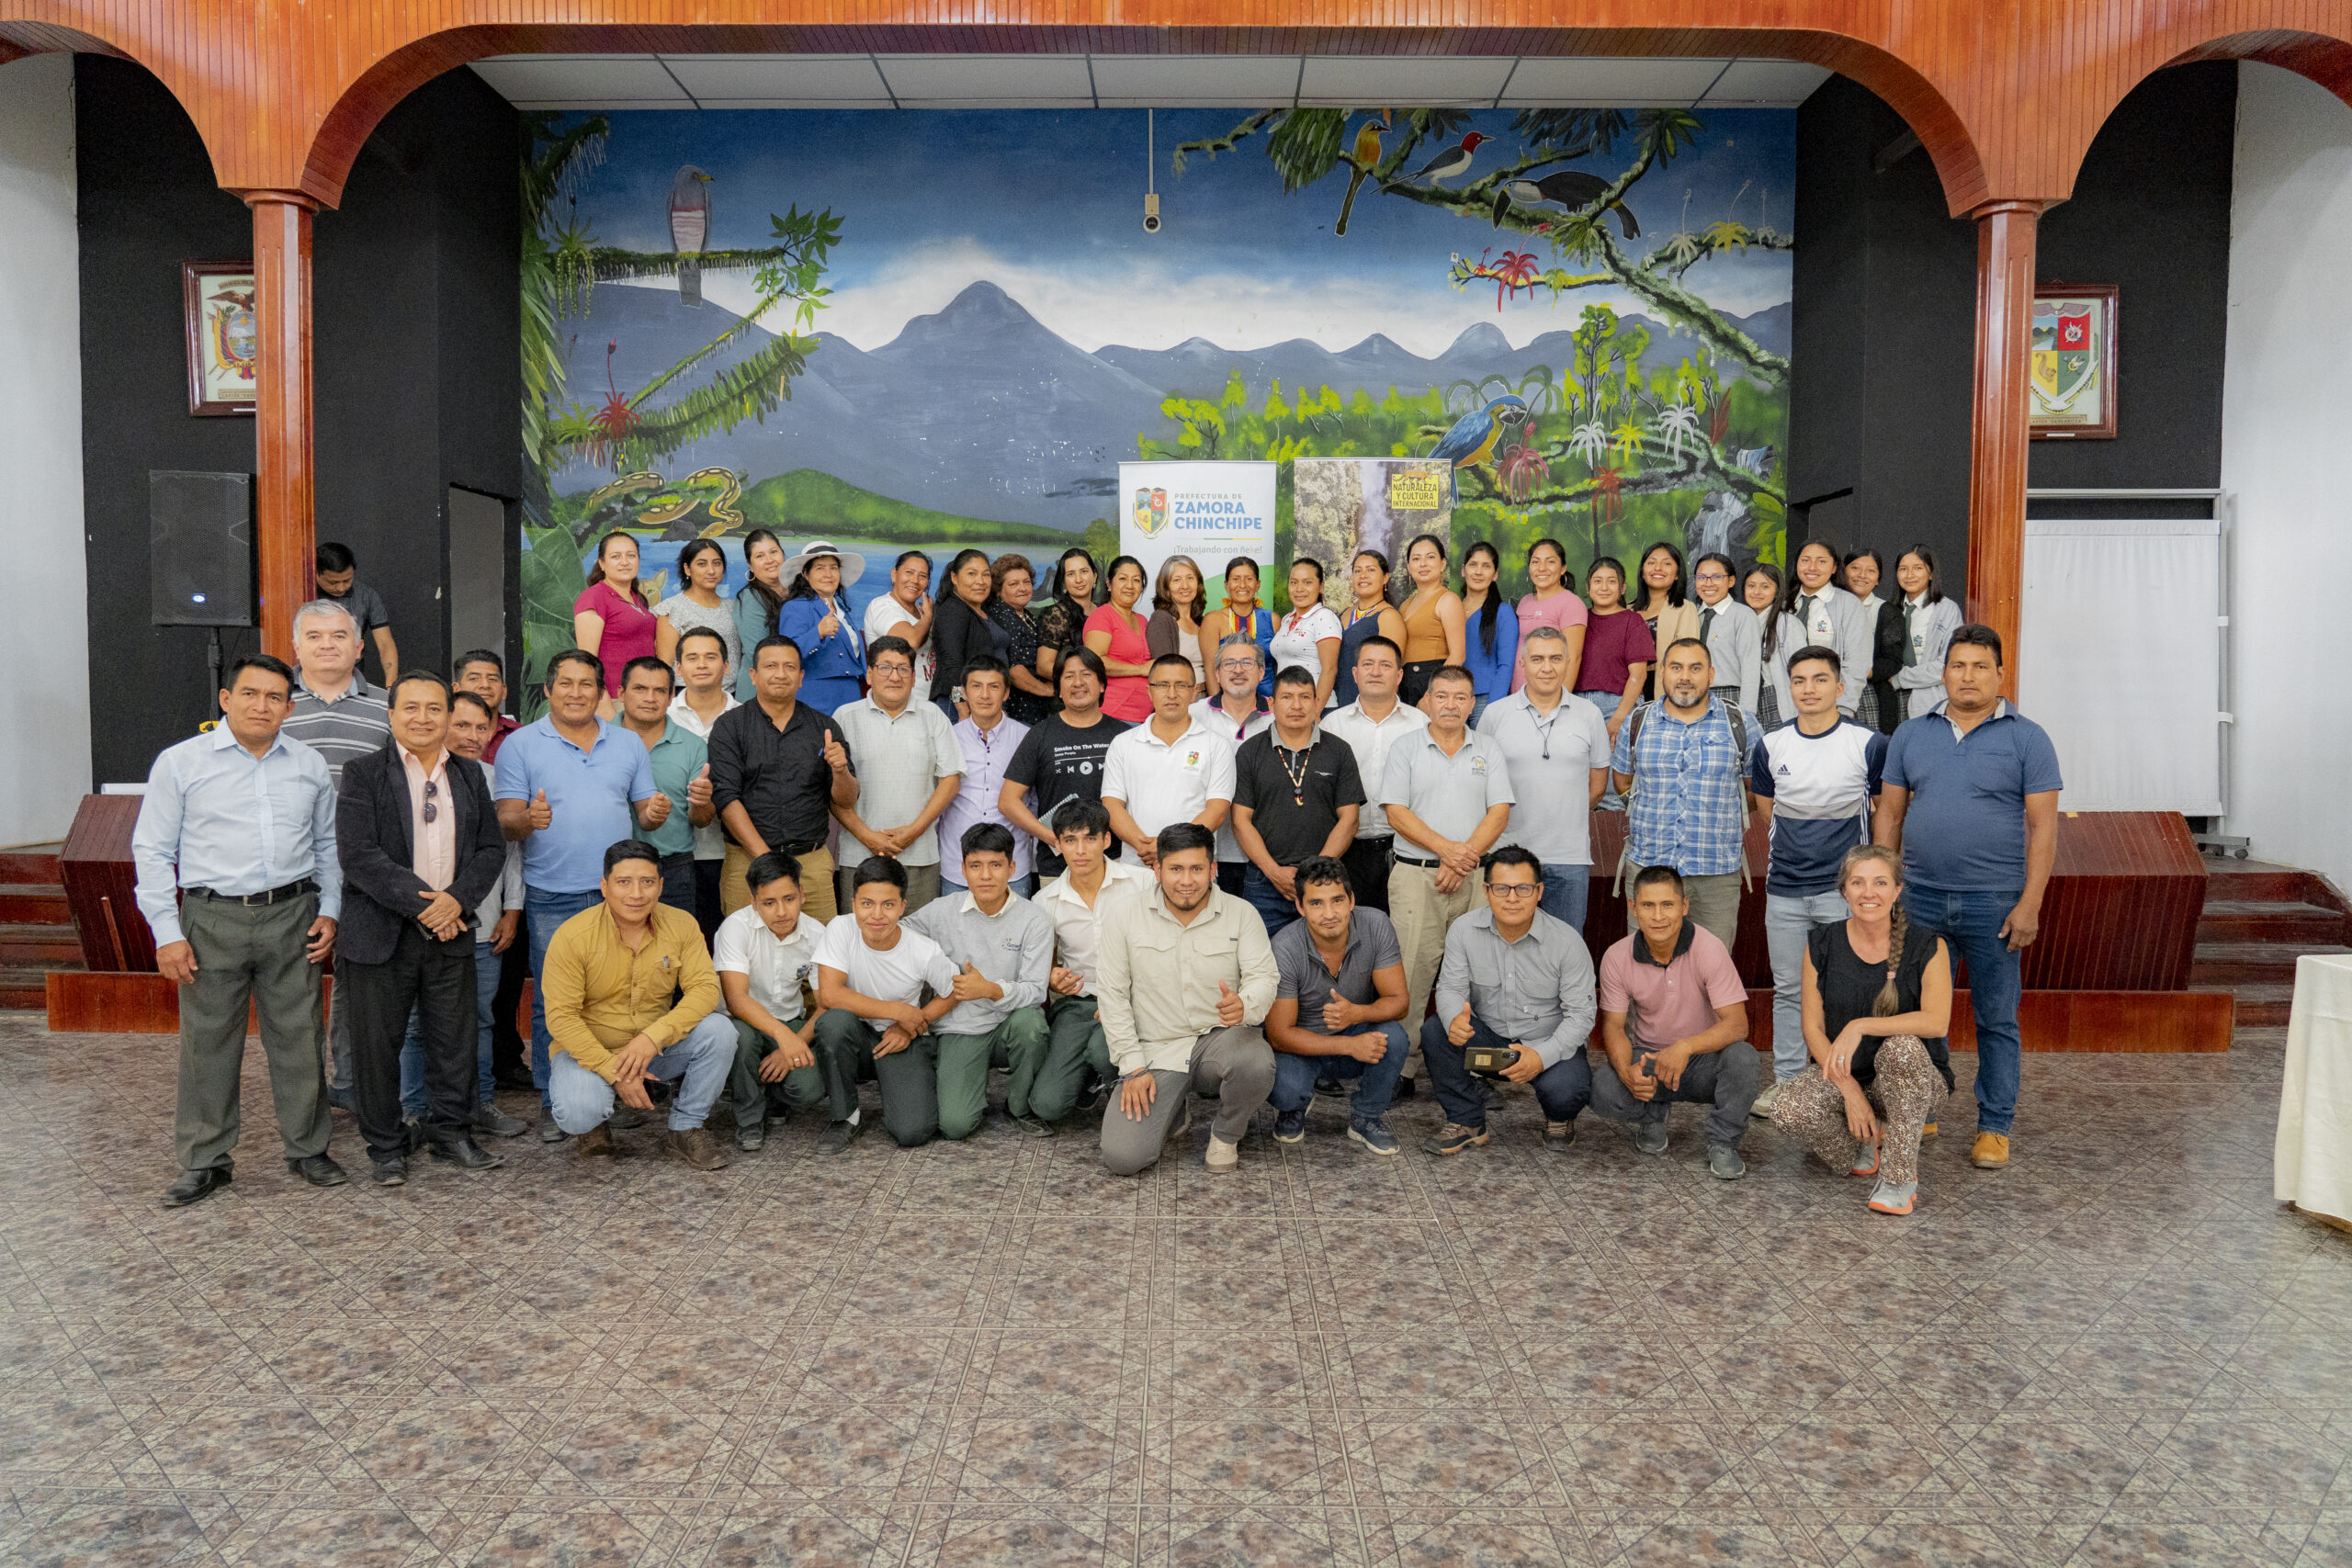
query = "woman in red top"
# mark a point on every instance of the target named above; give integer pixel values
(616, 624)
(1117, 636)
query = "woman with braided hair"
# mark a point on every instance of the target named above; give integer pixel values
(1877, 1004)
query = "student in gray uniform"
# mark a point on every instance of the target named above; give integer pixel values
(1003, 945)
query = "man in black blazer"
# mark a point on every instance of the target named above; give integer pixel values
(421, 847)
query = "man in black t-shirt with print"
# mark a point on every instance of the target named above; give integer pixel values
(1061, 757)
(1296, 796)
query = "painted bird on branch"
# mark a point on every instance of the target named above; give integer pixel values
(1474, 435)
(1570, 188)
(1365, 157)
(1454, 160)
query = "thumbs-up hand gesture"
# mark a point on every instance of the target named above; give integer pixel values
(836, 754)
(973, 986)
(542, 814)
(1458, 1030)
(1339, 1015)
(1228, 1006)
(698, 787)
(655, 811)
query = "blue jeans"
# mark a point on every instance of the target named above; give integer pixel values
(1566, 889)
(580, 1099)
(1971, 922)
(1260, 893)
(543, 911)
(486, 969)
(1562, 1089)
(1295, 1075)
(1789, 920)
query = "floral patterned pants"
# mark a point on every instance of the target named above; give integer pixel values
(1810, 1108)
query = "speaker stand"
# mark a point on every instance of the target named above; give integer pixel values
(213, 662)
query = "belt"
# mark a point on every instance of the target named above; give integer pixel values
(1403, 859)
(796, 847)
(274, 896)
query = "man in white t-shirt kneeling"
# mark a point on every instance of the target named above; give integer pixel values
(882, 987)
(765, 952)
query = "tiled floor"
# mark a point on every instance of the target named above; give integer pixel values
(2119, 1351)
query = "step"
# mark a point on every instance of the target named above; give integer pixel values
(31, 863)
(34, 904)
(2276, 884)
(2259, 1006)
(2244, 919)
(24, 986)
(2223, 964)
(30, 944)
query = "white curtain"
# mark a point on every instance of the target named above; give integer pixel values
(2121, 660)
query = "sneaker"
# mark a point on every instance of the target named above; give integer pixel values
(1222, 1157)
(1724, 1163)
(392, 1172)
(1091, 1100)
(750, 1135)
(1894, 1197)
(697, 1149)
(839, 1136)
(1452, 1138)
(1035, 1126)
(1650, 1136)
(548, 1132)
(1183, 1124)
(497, 1123)
(1928, 1131)
(1865, 1160)
(1406, 1089)
(626, 1117)
(597, 1141)
(1373, 1134)
(1990, 1152)
(1290, 1126)
(340, 1099)
(1559, 1136)
(1332, 1086)
(1766, 1100)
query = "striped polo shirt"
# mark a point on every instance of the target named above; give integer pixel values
(1821, 787)
(352, 725)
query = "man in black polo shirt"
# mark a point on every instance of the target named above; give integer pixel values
(1061, 759)
(1295, 797)
(777, 771)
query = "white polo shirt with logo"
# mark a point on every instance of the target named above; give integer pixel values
(1163, 783)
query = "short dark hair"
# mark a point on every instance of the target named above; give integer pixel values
(1652, 875)
(1975, 635)
(576, 655)
(478, 701)
(988, 839)
(1818, 655)
(773, 867)
(1176, 659)
(647, 662)
(1454, 672)
(480, 656)
(427, 676)
(1688, 642)
(333, 557)
(1323, 868)
(692, 632)
(262, 661)
(1376, 641)
(1293, 675)
(882, 644)
(986, 664)
(879, 868)
(1086, 659)
(1081, 816)
(774, 641)
(630, 850)
(1178, 837)
(1515, 854)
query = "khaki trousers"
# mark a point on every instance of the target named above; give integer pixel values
(815, 883)
(1422, 915)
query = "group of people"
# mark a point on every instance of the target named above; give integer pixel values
(761, 870)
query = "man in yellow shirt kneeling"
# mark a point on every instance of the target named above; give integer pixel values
(631, 997)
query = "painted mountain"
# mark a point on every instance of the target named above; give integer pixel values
(981, 411)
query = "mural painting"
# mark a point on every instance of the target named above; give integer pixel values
(936, 329)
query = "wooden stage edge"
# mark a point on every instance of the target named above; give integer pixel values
(2051, 1020)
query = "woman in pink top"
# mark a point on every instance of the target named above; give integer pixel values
(1552, 605)
(1117, 636)
(616, 624)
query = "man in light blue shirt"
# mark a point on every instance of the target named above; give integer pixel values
(569, 787)
(242, 819)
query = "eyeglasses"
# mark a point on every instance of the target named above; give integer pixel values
(1715, 577)
(432, 797)
(1171, 685)
(1513, 889)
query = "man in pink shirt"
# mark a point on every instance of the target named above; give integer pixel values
(1674, 1022)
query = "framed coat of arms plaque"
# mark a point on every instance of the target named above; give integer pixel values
(224, 336)
(2073, 391)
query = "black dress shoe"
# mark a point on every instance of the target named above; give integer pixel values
(464, 1153)
(319, 1170)
(391, 1171)
(195, 1186)
(517, 1078)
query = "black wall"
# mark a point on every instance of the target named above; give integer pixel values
(1885, 331)
(416, 368)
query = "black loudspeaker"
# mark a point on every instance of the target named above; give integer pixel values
(201, 536)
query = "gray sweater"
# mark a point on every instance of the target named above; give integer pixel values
(1015, 947)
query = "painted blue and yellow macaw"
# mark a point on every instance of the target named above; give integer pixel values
(1476, 434)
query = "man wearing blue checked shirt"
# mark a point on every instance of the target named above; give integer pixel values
(1682, 762)
(239, 881)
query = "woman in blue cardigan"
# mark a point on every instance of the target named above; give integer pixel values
(819, 616)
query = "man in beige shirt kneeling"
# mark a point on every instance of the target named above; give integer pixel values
(1185, 977)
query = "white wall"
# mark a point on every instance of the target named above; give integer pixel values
(44, 626)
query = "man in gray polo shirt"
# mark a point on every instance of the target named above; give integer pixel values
(1514, 977)
(1338, 993)
(1556, 746)
(909, 766)
(1448, 795)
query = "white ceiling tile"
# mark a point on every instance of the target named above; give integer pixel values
(1783, 82)
(996, 103)
(983, 78)
(832, 77)
(881, 103)
(580, 78)
(1212, 82)
(1610, 82)
(1399, 81)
